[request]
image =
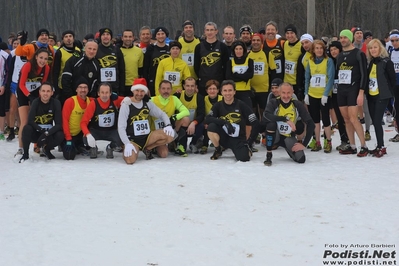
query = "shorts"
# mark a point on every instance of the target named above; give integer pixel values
(347, 97)
(13, 88)
(24, 100)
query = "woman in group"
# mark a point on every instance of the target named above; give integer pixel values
(319, 81)
(33, 74)
(382, 80)
(335, 48)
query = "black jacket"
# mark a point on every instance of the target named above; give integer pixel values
(386, 77)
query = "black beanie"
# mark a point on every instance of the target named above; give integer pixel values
(239, 43)
(336, 44)
(81, 80)
(89, 36)
(3, 46)
(160, 29)
(276, 82)
(175, 43)
(104, 30)
(41, 31)
(68, 32)
(292, 28)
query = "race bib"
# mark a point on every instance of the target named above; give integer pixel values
(318, 81)
(173, 77)
(240, 69)
(344, 76)
(141, 127)
(31, 86)
(373, 85)
(283, 128)
(106, 120)
(236, 130)
(278, 66)
(335, 86)
(259, 68)
(45, 126)
(159, 124)
(289, 67)
(192, 113)
(188, 58)
(108, 74)
(395, 60)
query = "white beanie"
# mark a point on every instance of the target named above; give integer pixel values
(306, 36)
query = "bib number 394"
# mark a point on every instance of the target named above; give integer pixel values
(141, 127)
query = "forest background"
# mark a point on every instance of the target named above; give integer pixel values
(89, 16)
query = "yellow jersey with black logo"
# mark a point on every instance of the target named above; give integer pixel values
(291, 55)
(65, 55)
(191, 105)
(187, 54)
(305, 59)
(208, 104)
(76, 116)
(287, 110)
(318, 78)
(373, 84)
(241, 68)
(260, 80)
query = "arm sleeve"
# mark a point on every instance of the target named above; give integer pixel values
(23, 77)
(305, 116)
(32, 114)
(46, 73)
(122, 123)
(200, 109)
(66, 114)
(66, 78)
(89, 113)
(183, 111)
(57, 70)
(268, 114)
(213, 116)
(330, 75)
(307, 79)
(361, 57)
(57, 117)
(157, 112)
(197, 59)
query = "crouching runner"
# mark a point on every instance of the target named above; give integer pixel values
(134, 127)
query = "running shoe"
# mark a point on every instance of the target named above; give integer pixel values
(395, 139)
(367, 135)
(110, 152)
(204, 150)
(328, 146)
(363, 152)
(217, 153)
(268, 161)
(180, 151)
(348, 150)
(148, 154)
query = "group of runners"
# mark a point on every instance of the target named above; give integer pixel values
(154, 97)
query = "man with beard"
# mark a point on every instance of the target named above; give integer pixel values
(246, 36)
(66, 51)
(274, 47)
(111, 61)
(188, 43)
(154, 54)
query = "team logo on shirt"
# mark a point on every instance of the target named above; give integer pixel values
(104, 113)
(232, 117)
(210, 59)
(156, 60)
(344, 66)
(143, 115)
(108, 60)
(44, 119)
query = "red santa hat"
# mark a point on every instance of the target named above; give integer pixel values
(140, 84)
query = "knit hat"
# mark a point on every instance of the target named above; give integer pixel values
(188, 22)
(276, 82)
(175, 43)
(238, 43)
(104, 30)
(158, 29)
(68, 32)
(336, 44)
(89, 36)
(355, 29)
(394, 34)
(140, 84)
(367, 34)
(52, 36)
(262, 30)
(290, 27)
(246, 28)
(259, 35)
(306, 36)
(81, 80)
(42, 31)
(347, 33)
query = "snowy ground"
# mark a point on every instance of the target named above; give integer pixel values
(194, 211)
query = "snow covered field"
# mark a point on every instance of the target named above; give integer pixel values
(194, 211)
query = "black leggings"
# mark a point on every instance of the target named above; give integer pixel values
(377, 109)
(341, 121)
(315, 108)
(30, 135)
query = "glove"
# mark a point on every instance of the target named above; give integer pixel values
(230, 128)
(42, 140)
(127, 101)
(128, 150)
(68, 146)
(324, 100)
(114, 96)
(91, 141)
(306, 100)
(22, 36)
(173, 120)
(169, 130)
